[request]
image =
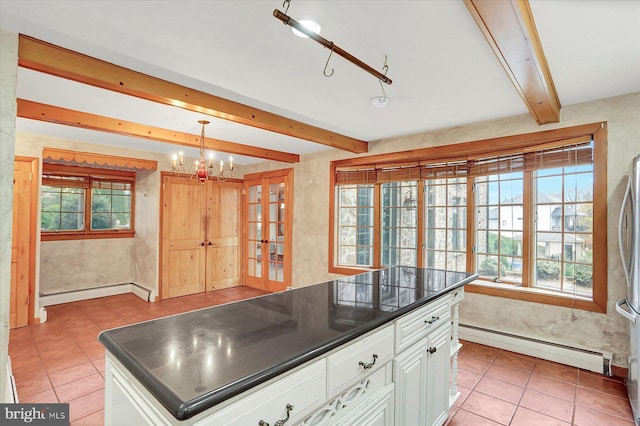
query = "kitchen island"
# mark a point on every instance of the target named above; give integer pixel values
(373, 344)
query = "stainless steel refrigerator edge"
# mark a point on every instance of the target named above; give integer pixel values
(629, 240)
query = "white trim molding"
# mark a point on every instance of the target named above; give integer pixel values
(95, 292)
(586, 359)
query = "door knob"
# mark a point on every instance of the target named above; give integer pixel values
(202, 244)
(209, 243)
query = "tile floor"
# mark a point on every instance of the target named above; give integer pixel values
(504, 388)
(62, 361)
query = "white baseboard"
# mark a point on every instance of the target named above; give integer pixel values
(93, 293)
(12, 392)
(598, 362)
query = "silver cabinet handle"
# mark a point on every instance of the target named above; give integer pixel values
(368, 365)
(432, 320)
(432, 350)
(280, 422)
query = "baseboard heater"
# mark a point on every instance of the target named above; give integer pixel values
(93, 293)
(599, 362)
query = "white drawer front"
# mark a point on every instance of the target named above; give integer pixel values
(357, 360)
(305, 390)
(349, 400)
(416, 325)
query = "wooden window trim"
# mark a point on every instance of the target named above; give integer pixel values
(102, 174)
(508, 145)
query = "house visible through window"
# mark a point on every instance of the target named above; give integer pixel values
(521, 218)
(79, 202)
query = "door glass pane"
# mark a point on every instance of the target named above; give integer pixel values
(276, 272)
(255, 194)
(258, 268)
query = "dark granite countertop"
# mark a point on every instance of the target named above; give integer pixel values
(195, 360)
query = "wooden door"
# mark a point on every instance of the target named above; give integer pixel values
(23, 242)
(183, 236)
(223, 236)
(268, 225)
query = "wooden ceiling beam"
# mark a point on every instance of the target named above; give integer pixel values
(510, 30)
(83, 120)
(48, 58)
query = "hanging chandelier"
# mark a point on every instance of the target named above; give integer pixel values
(202, 169)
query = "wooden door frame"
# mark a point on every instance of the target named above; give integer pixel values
(33, 216)
(287, 174)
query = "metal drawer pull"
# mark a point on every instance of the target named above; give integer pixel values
(432, 350)
(368, 365)
(279, 422)
(432, 320)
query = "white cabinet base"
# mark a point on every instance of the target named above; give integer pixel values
(410, 380)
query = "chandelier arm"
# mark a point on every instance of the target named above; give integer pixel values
(287, 20)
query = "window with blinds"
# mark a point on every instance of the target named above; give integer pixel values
(81, 202)
(520, 215)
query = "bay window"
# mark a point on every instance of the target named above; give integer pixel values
(527, 213)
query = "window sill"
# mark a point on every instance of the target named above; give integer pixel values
(94, 235)
(349, 270)
(536, 295)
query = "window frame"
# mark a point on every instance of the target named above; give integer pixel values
(464, 151)
(89, 173)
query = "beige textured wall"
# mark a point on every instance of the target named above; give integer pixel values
(8, 83)
(596, 331)
(78, 264)
(146, 253)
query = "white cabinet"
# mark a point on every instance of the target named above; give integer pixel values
(409, 376)
(437, 397)
(421, 376)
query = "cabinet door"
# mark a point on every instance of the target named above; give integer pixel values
(437, 396)
(223, 236)
(410, 374)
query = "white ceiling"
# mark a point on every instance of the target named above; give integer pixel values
(444, 73)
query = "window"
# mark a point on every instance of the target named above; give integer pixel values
(446, 223)
(399, 223)
(355, 224)
(523, 218)
(499, 204)
(564, 229)
(79, 202)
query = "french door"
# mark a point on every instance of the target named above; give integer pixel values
(268, 227)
